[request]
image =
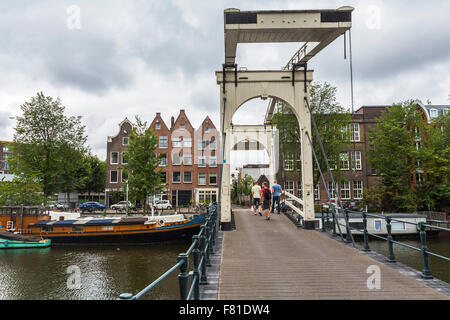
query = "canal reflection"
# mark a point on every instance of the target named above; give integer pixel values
(105, 271)
(439, 267)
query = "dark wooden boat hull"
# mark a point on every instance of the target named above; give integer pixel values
(132, 236)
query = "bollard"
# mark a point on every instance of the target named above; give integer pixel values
(183, 277)
(391, 257)
(366, 234)
(426, 271)
(196, 261)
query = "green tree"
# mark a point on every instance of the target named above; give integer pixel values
(392, 152)
(20, 192)
(332, 122)
(434, 155)
(44, 141)
(92, 175)
(143, 176)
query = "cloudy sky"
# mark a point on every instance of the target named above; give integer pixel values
(136, 57)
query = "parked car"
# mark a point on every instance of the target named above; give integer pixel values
(122, 205)
(91, 206)
(353, 205)
(57, 205)
(163, 204)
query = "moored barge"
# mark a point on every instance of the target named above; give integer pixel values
(143, 229)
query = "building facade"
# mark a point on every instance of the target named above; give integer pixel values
(5, 152)
(189, 162)
(354, 163)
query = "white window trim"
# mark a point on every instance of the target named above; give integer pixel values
(345, 189)
(123, 141)
(202, 184)
(177, 164)
(111, 157)
(362, 189)
(173, 175)
(184, 181)
(209, 179)
(203, 157)
(159, 142)
(110, 176)
(215, 165)
(352, 132)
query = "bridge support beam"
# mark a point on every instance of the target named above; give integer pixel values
(238, 87)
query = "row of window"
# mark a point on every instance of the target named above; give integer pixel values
(292, 161)
(182, 127)
(176, 177)
(183, 142)
(344, 188)
(176, 159)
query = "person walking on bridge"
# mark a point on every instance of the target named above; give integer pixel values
(276, 193)
(266, 196)
(256, 196)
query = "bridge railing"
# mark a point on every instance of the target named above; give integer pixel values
(421, 227)
(202, 246)
(286, 202)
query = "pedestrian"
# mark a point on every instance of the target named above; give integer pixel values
(266, 196)
(276, 193)
(256, 196)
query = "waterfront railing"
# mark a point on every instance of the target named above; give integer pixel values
(421, 227)
(203, 245)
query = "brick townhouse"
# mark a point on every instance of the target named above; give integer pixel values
(354, 163)
(5, 152)
(189, 164)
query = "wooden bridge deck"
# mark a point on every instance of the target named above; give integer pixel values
(276, 260)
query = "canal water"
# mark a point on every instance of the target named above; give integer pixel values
(88, 272)
(106, 271)
(440, 268)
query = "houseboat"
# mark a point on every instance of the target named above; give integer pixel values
(10, 240)
(407, 226)
(68, 227)
(139, 229)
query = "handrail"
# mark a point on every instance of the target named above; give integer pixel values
(426, 271)
(290, 195)
(201, 247)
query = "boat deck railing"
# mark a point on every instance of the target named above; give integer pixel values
(202, 246)
(328, 226)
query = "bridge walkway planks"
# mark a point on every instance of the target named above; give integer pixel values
(276, 260)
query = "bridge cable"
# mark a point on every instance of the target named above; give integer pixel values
(328, 166)
(324, 183)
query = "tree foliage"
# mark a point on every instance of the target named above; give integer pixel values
(142, 163)
(402, 145)
(47, 145)
(332, 122)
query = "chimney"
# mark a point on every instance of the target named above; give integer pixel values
(172, 122)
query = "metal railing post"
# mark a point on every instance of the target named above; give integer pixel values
(208, 244)
(366, 234)
(183, 277)
(196, 261)
(333, 213)
(426, 271)
(203, 277)
(328, 217)
(391, 257)
(348, 236)
(323, 220)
